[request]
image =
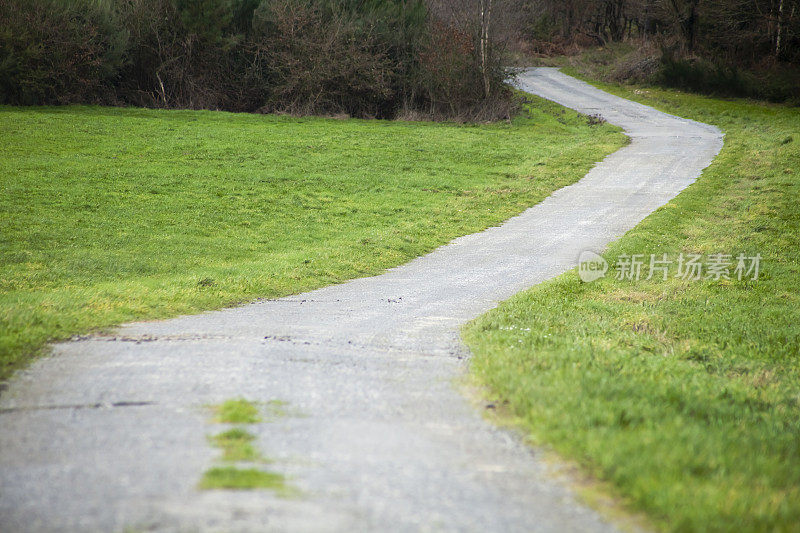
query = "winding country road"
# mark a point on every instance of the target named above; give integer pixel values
(110, 433)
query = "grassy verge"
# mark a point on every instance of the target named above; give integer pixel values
(109, 215)
(685, 395)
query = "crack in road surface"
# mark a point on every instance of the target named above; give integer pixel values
(386, 443)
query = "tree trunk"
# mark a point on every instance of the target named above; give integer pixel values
(780, 30)
(486, 17)
(691, 25)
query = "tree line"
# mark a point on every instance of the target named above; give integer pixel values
(365, 58)
(735, 46)
(738, 28)
(375, 58)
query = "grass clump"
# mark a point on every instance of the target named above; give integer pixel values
(685, 395)
(109, 215)
(236, 445)
(233, 478)
(237, 411)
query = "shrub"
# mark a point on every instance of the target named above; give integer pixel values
(56, 52)
(702, 76)
(771, 83)
(317, 62)
(180, 57)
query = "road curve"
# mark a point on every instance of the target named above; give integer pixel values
(110, 433)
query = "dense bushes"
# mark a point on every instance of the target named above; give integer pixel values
(722, 47)
(58, 52)
(649, 64)
(769, 82)
(319, 58)
(369, 58)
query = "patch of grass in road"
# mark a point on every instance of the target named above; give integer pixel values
(236, 445)
(236, 411)
(109, 215)
(684, 395)
(233, 478)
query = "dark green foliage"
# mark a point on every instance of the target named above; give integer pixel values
(369, 58)
(58, 51)
(726, 79)
(321, 61)
(242, 15)
(719, 47)
(206, 19)
(702, 76)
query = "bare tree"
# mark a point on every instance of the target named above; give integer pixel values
(492, 23)
(485, 28)
(779, 31)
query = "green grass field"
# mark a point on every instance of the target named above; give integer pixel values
(684, 395)
(109, 215)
